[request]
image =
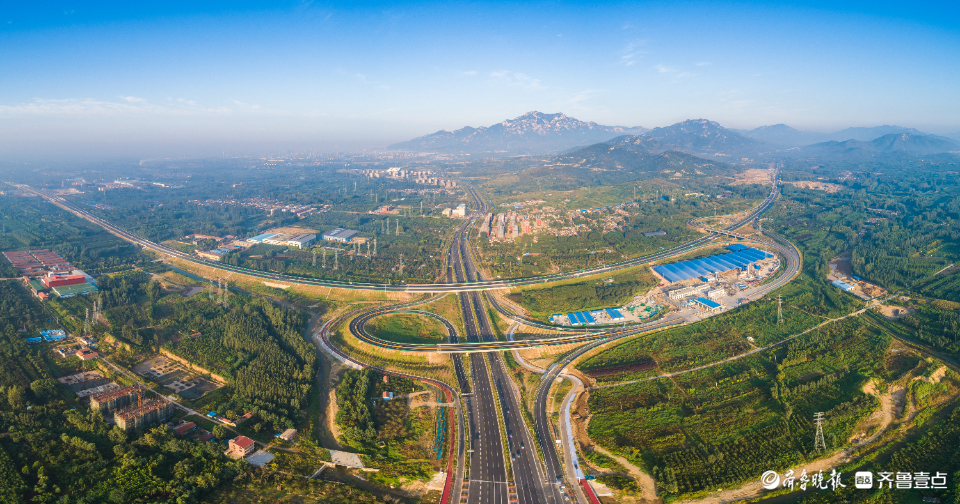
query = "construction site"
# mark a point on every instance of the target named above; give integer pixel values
(841, 274)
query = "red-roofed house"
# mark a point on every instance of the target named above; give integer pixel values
(87, 354)
(184, 428)
(240, 446)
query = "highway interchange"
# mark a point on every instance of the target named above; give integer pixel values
(499, 439)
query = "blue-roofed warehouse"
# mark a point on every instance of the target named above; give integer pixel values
(685, 270)
(709, 304)
(844, 286)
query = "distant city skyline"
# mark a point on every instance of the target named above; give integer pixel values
(198, 79)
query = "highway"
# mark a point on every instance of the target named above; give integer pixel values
(471, 284)
(489, 397)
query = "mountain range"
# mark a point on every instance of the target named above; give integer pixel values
(783, 135)
(537, 133)
(531, 133)
(893, 143)
(694, 136)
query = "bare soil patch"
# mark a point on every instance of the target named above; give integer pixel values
(895, 312)
(754, 176)
(817, 186)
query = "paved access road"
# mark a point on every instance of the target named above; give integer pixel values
(458, 286)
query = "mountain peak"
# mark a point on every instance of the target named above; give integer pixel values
(531, 133)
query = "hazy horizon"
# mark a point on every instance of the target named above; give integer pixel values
(118, 80)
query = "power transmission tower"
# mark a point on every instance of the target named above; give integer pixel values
(314, 258)
(779, 310)
(398, 227)
(819, 444)
(226, 288)
(86, 323)
(374, 246)
(336, 260)
(324, 258)
(401, 264)
(421, 208)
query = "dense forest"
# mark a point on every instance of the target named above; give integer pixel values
(32, 223)
(260, 348)
(401, 442)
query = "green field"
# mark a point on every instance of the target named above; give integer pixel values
(601, 291)
(407, 328)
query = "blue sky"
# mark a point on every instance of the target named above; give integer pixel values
(194, 78)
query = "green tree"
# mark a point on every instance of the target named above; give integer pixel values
(16, 395)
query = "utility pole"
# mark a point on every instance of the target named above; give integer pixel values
(779, 310)
(818, 443)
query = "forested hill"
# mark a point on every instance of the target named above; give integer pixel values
(899, 144)
(695, 136)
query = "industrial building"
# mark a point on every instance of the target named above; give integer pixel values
(286, 240)
(113, 400)
(68, 291)
(62, 284)
(678, 294)
(685, 270)
(32, 263)
(260, 238)
(54, 335)
(709, 305)
(56, 280)
(288, 434)
(844, 286)
(339, 235)
(145, 413)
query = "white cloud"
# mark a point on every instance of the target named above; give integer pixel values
(672, 72)
(517, 79)
(470, 73)
(89, 107)
(632, 51)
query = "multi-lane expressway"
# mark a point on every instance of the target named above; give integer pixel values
(459, 285)
(491, 396)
